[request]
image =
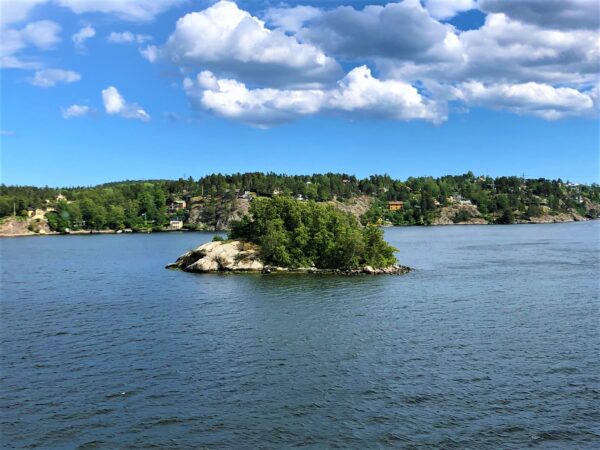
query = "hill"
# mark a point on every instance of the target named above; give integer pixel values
(214, 201)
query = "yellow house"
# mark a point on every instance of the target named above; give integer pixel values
(395, 205)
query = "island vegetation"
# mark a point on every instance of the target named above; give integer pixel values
(306, 234)
(216, 201)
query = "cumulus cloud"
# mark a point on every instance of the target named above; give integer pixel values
(43, 34)
(504, 50)
(76, 111)
(358, 93)
(133, 10)
(83, 35)
(291, 19)
(526, 58)
(446, 9)
(227, 39)
(536, 99)
(115, 104)
(127, 37)
(402, 31)
(556, 14)
(16, 11)
(50, 77)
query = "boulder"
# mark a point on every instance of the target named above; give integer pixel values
(220, 256)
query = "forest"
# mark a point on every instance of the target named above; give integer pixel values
(144, 204)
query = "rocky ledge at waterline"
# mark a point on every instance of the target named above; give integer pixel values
(238, 256)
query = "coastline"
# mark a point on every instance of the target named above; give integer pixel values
(110, 232)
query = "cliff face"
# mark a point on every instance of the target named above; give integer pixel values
(24, 227)
(356, 206)
(219, 213)
(459, 214)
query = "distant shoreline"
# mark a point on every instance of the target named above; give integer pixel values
(111, 232)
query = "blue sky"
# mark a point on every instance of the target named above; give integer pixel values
(104, 91)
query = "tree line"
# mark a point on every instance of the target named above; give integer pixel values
(143, 204)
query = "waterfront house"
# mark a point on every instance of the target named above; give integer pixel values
(175, 224)
(395, 205)
(177, 205)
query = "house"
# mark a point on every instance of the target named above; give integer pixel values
(177, 205)
(175, 224)
(61, 198)
(465, 202)
(456, 198)
(395, 205)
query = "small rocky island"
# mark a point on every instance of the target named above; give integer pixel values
(283, 235)
(238, 256)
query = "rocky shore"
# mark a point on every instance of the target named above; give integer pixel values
(237, 256)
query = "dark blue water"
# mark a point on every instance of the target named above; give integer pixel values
(491, 343)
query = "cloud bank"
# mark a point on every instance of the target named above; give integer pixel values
(403, 61)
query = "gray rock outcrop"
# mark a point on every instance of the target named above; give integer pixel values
(237, 256)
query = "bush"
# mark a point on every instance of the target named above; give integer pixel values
(463, 215)
(303, 234)
(218, 238)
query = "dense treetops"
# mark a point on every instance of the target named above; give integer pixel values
(139, 204)
(303, 234)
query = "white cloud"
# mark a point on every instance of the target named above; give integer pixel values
(535, 99)
(132, 10)
(402, 31)
(50, 77)
(507, 51)
(76, 111)
(227, 39)
(7, 133)
(151, 53)
(115, 104)
(83, 35)
(554, 14)
(16, 11)
(43, 34)
(291, 19)
(446, 9)
(357, 94)
(127, 37)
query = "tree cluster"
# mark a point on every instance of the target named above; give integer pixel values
(304, 234)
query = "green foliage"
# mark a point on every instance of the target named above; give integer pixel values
(302, 234)
(463, 215)
(143, 204)
(218, 238)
